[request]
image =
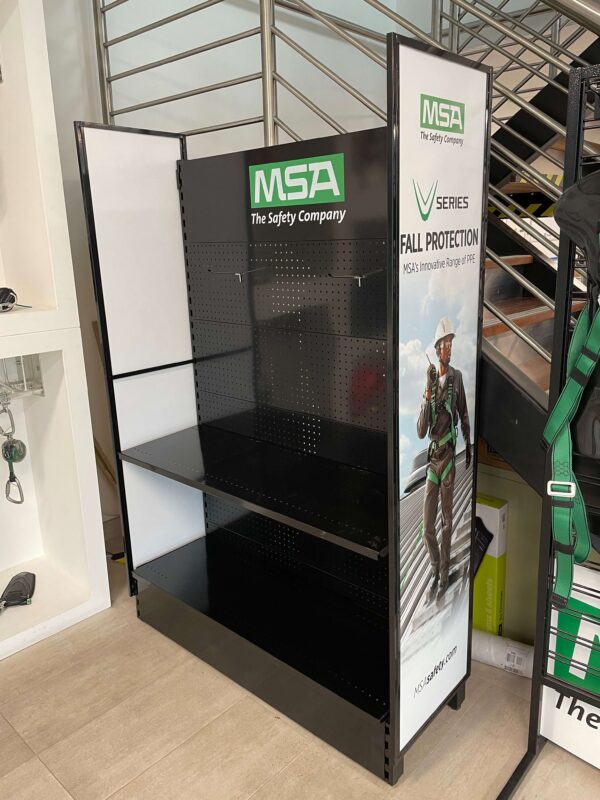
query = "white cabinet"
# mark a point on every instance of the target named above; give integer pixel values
(57, 532)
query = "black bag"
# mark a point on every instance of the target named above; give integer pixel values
(19, 591)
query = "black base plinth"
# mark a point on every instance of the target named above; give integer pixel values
(302, 616)
(349, 729)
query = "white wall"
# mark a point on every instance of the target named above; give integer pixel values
(75, 87)
(26, 256)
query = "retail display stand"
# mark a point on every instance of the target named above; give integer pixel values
(565, 698)
(254, 312)
(56, 532)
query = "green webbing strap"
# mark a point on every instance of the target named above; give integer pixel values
(581, 362)
(570, 531)
(431, 476)
(433, 405)
(447, 437)
(449, 410)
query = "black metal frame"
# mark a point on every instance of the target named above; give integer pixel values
(456, 696)
(576, 104)
(370, 741)
(109, 377)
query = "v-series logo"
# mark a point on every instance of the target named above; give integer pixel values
(303, 181)
(439, 114)
(426, 201)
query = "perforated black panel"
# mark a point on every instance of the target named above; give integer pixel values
(332, 287)
(364, 581)
(289, 320)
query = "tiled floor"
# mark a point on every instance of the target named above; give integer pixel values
(112, 709)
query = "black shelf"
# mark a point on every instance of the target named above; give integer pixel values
(336, 502)
(293, 615)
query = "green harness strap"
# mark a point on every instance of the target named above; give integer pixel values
(434, 478)
(570, 531)
(447, 437)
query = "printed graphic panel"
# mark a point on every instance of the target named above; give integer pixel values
(442, 152)
(574, 657)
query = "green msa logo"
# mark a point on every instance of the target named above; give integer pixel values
(303, 181)
(439, 114)
(425, 204)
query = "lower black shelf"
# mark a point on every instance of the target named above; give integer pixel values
(294, 616)
(342, 504)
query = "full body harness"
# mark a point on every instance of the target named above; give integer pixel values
(578, 214)
(447, 437)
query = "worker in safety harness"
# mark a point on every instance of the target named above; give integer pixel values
(444, 403)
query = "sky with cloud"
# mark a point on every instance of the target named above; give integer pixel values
(426, 297)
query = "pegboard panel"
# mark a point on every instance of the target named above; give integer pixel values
(333, 287)
(360, 447)
(340, 378)
(365, 582)
(288, 316)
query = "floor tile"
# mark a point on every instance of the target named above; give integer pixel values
(322, 773)
(30, 667)
(93, 683)
(32, 781)
(141, 730)
(558, 774)
(227, 760)
(475, 758)
(507, 680)
(13, 750)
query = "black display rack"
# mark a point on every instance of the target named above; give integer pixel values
(290, 583)
(556, 668)
(289, 339)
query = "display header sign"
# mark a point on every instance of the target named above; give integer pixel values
(440, 130)
(440, 114)
(307, 181)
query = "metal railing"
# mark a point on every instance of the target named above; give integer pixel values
(527, 50)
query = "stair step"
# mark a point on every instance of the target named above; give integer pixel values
(523, 357)
(523, 311)
(513, 261)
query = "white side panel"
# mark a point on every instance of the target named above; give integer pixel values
(155, 404)
(163, 514)
(138, 230)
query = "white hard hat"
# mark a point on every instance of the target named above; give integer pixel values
(444, 328)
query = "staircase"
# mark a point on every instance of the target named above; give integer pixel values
(531, 47)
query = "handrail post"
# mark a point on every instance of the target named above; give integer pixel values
(436, 20)
(555, 39)
(103, 62)
(269, 88)
(454, 29)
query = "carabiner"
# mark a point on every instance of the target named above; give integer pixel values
(4, 409)
(14, 481)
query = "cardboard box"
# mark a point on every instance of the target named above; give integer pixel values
(488, 587)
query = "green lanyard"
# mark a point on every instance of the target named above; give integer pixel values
(570, 531)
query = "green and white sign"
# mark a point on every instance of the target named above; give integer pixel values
(319, 179)
(442, 127)
(567, 722)
(440, 114)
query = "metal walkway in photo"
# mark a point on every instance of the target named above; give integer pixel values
(415, 570)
